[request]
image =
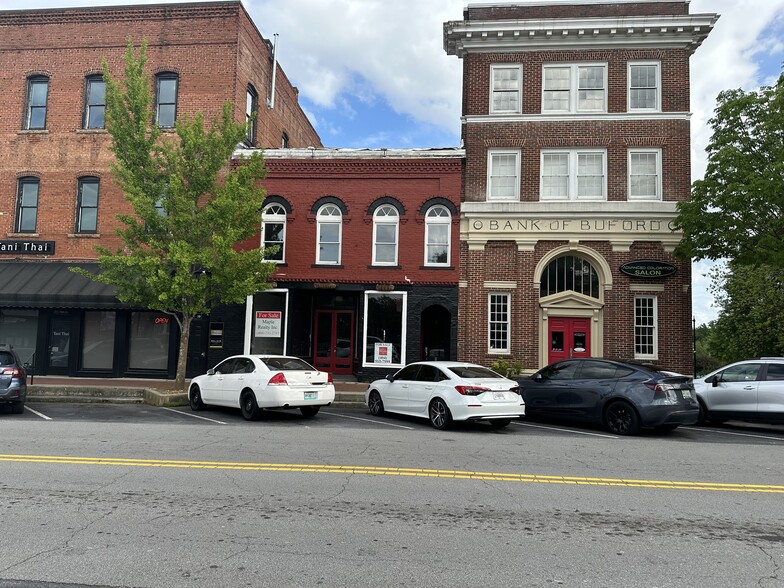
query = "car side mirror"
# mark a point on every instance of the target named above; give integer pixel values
(713, 381)
(390, 377)
(537, 378)
(211, 372)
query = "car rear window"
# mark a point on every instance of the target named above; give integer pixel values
(775, 371)
(287, 363)
(6, 358)
(470, 371)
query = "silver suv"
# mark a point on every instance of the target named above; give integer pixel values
(750, 390)
(13, 380)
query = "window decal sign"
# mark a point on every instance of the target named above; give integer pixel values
(648, 268)
(383, 353)
(268, 323)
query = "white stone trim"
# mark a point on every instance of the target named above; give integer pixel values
(646, 287)
(500, 285)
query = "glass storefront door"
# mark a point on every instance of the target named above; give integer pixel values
(334, 342)
(59, 346)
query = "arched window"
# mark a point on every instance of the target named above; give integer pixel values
(438, 224)
(251, 114)
(329, 222)
(570, 272)
(273, 231)
(385, 230)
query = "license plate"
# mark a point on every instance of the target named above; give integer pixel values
(311, 395)
(687, 394)
(499, 396)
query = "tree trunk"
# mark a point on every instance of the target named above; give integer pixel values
(182, 358)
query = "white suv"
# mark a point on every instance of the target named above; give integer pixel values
(750, 390)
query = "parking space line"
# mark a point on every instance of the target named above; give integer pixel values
(722, 432)
(35, 412)
(566, 430)
(192, 415)
(345, 416)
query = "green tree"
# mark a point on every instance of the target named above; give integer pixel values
(705, 361)
(191, 208)
(752, 306)
(737, 210)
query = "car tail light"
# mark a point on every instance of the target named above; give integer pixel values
(329, 378)
(517, 390)
(14, 372)
(278, 379)
(471, 390)
(663, 393)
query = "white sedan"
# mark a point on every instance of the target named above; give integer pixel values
(446, 391)
(255, 382)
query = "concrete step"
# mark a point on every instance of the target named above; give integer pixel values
(85, 394)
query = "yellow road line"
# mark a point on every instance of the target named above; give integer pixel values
(383, 471)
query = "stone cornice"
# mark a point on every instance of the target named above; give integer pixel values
(666, 31)
(579, 117)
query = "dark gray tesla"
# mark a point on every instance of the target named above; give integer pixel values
(621, 396)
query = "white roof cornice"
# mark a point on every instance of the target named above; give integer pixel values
(665, 31)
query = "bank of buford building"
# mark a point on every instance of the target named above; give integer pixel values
(577, 137)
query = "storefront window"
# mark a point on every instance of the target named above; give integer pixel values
(385, 328)
(269, 323)
(19, 329)
(98, 340)
(149, 341)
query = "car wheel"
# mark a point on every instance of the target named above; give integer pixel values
(17, 408)
(250, 408)
(440, 417)
(620, 418)
(500, 423)
(194, 399)
(309, 411)
(703, 416)
(375, 404)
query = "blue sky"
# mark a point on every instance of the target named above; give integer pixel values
(373, 73)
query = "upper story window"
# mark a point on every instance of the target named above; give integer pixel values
(87, 205)
(251, 114)
(27, 205)
(576, 174)
(574, 88)
(329, 223)
(645, 174)
(385, 232)
(166, 99)
(35, 104)
(506, 89)
(438, 225)
(94, 102)
(284, 140)
(644, 86)
(503, 174)
(273, 230)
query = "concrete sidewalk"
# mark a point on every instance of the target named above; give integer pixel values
(145, 391)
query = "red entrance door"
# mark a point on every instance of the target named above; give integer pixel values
(333, 348)
(569, 337)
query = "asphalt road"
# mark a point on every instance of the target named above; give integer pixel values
(140, 496)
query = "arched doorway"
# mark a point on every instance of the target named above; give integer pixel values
(435, 333)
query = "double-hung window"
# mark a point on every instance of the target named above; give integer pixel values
(329, 227)
(166, 99)
(251, 114)
(438, 225)
(506, 89)
(644, 86)
(574, 88)
(94, 102)
(573, 174)
(27, 205)
(35, 106)
(498, 322)
(645, 174)
(503, 174)
(87, 205)
(385, 233)
(273, 231)
(646, 339)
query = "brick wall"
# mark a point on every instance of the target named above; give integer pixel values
(576, 10)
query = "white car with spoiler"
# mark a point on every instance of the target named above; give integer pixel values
(256, 382)
(446, 391)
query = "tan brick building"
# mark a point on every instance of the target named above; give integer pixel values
(577, 138)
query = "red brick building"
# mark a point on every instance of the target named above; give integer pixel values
(57, 198)
(576, 131)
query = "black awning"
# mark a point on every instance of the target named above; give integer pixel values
(51, 284)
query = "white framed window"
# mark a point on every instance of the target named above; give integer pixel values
(574, 88)
(503, 174)
(645, 175)
(273, 232)
(644, 86)
(573, 174)
(329, 229)
(646, 327)
(385, 232)
(438, 229)
(498, 321)
(506, 84)
(384, 334)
